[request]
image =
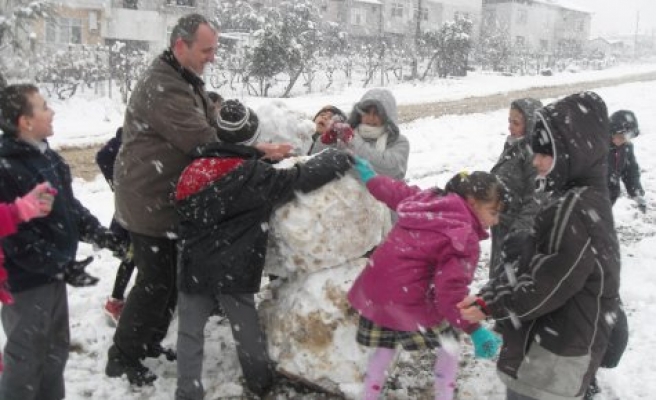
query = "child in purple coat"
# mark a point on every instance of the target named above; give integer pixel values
(408, 292)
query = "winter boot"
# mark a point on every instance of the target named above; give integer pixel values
(118, 364)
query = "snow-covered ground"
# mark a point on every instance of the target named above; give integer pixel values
(439, 148)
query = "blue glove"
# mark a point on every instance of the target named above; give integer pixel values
(364, 169)
(486, 343)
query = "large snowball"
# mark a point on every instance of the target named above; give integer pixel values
(311, 329)
(339, 222)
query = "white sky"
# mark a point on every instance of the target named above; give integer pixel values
(619, 17)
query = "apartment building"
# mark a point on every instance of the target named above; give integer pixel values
(398, 17)
(547, 26)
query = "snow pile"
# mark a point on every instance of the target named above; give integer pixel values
(316, 243)
(279, 123)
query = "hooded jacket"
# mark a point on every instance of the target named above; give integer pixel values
(423, 268)
(564, 296)
(393, 160)
(515, 169)
(169, 115)
(225, 199)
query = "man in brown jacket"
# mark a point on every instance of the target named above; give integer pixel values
(169, 115)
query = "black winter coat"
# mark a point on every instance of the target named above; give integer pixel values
(623, 167)
(38, 253)
(563, 298)
(515, 169)
(224, 226)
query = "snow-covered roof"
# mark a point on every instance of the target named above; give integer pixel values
(567, 4)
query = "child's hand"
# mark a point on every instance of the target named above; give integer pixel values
(471, 310)
(337, 131)
(486, 343)
(37, 203)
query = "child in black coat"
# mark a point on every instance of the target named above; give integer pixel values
(622, 163)
(40, 256)
(105, 159)
(225, 199)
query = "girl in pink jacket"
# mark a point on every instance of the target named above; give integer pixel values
(36, 203)
(408, 292)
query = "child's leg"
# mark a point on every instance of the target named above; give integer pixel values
(446, 368)
(194, 311)
(375, 377)
(250, 341)
(37, 344)
(123, 276)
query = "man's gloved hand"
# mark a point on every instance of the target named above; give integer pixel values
(486, 343)
(76, 276)
(337, 131)
(642, 203)
(37, 203)
(364, 169)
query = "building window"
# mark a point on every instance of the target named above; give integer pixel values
(397, 10)
(358, 16)
(423, 15)
(520, 41)
(131, 4)
(544, 44)
(182, 3)
(522, 17)
(64, 31)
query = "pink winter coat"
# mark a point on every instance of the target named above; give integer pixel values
(425, 264)
(8, 225)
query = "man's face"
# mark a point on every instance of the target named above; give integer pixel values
(201, 51)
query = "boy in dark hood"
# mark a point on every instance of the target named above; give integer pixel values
(560, 299)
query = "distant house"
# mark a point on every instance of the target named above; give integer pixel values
(75, 22)
(552, 27)
(607, 48)
(148, 23)
(365, 18)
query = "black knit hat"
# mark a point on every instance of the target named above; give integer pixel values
(541, 141)
(336, 112)
(237, 123)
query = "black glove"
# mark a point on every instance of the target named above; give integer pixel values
(75, 274)
(110, 241)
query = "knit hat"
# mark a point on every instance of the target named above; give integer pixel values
(541, 141)
(237, 123)
(336, 112)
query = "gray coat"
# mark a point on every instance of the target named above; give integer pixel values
(393, 161)
(168, 116)
(516, 171)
